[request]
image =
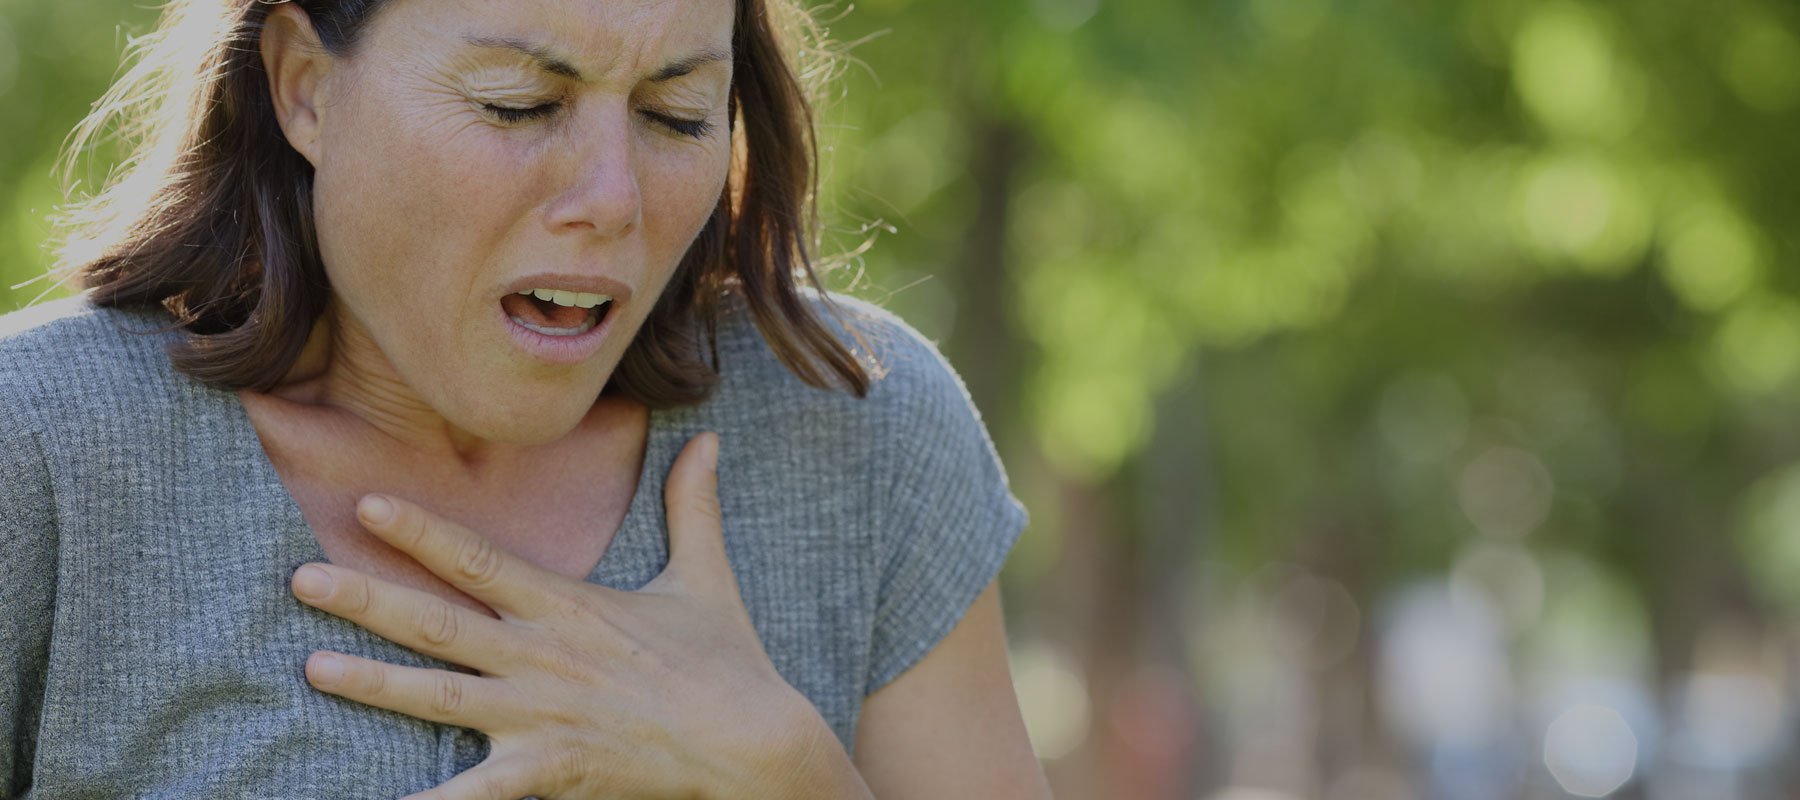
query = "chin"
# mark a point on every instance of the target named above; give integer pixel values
(527, 427)
(528, 418)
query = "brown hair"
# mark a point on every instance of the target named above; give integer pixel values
(211, 218)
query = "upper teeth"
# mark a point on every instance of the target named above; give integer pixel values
(562, 298)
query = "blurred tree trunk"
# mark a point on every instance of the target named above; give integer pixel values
(987, 341)
(1174, 493)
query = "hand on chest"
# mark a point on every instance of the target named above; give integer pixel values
(567, 535)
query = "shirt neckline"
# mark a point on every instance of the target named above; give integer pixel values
(634, 541)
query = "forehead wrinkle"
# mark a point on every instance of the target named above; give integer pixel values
(616, 34)
(547, 58)
(543, 56)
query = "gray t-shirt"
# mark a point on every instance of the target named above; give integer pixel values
(149, 646)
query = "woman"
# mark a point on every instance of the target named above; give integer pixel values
(405, 307)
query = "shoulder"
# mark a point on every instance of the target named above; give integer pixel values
(71, 351)
(907, 372)
(917, 418)
(75, 328)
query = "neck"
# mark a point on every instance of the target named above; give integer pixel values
(341, 367)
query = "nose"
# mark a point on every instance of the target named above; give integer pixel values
(599, 172)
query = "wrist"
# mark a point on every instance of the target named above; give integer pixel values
(797, 755)
(818, 767)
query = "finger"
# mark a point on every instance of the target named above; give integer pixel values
(419, 620)
(691, 498)
(493, 779)
(466, 559)
(452, 698)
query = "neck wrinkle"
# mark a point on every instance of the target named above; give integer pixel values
(342, 368)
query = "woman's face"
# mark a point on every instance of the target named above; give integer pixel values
(471, 150)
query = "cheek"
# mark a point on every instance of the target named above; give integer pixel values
(679, 197)
(411, 200)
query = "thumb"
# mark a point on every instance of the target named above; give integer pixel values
(691, 496)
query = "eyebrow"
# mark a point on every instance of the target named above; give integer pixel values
(548, 61)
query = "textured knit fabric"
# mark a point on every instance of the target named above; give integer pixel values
(150, 647)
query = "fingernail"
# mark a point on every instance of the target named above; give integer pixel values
(712, 451)
(312, 583)
(327, 669)
(377, 510)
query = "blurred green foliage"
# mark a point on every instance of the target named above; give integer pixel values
(1392, 234)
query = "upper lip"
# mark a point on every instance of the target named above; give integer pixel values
(570, 282)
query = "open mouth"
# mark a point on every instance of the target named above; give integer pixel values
(556, 312)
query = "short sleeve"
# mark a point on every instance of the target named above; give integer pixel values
(27, 597)
(948, 517)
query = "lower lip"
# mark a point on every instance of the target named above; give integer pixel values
(561, 350)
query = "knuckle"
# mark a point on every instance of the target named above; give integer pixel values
(495, 785)
(374, 681)
(489, 788)
(437, 623)
(562, 716)
(447, 696)
(564, 759)
(708, 505)
(701, 503)
(410, 528)
(562, 661)
(574, 606)
(478, 561)
(358, 596)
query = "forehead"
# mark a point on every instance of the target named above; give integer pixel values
(603, 39)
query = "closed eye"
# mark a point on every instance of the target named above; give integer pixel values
(514, 116)
(691, 128)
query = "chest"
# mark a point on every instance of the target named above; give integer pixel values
(226, 640)
(565, 527)
(560, 509)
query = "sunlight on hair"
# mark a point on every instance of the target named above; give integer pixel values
(148, 115)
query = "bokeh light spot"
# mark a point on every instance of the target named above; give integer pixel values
(1590, 750)
(1504, 576)
(1710, 258)
(1757, 348)
(1570, 77)
(1505, 492)
(1442, 669)
(1582, 209)
(1052, 696)
(1762, 65)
